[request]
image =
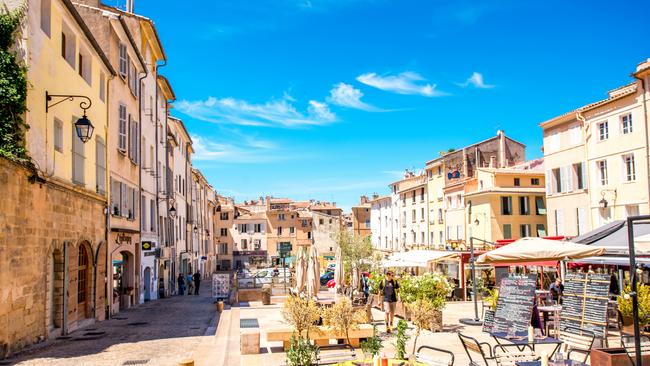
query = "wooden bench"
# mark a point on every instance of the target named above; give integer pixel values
(321, 337)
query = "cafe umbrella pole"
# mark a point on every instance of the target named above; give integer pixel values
(634, 280)
(476, 320)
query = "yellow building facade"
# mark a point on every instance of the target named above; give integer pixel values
(435, 172)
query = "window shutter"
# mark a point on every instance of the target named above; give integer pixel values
(569, 180)
(559, 222)
(123, 200)
(549, 183)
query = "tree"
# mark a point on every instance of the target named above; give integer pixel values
(342, 317)
(356, 251)
(302, 314)
(423, 313)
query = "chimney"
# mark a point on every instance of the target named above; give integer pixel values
(502, 148)
(364, 199)
(129, 6)
(493, 160)
(375, 196)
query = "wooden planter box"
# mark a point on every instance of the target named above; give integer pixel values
(612, 357)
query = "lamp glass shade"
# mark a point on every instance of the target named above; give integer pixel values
(84, 129)
(602, 203)
(172, 212)
(196, 230)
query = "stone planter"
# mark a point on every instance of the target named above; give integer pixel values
(612, 357)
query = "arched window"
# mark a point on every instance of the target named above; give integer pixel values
(82, 275)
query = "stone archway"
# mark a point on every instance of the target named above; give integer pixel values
(124, 279)
(147, 284)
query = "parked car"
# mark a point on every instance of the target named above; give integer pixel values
(263, 276)
(331, 267)
(331, 284)
(326, 277)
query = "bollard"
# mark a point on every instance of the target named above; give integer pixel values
(220, 306)
(186, 362)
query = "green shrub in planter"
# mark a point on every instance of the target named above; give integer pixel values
(625, 304)
(433, 287)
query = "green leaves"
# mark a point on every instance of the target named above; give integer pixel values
(372, 345)
(301, 352)
(625, 303)
(13, 93)
(433, 287)
(400, 340)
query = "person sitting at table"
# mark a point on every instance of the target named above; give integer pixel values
(556, 289)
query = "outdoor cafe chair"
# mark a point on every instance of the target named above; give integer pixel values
(577, 340)
(627, 340)
(481, 354)
(434, 356)
(335, 353)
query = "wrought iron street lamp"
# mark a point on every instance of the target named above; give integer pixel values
(83, 126)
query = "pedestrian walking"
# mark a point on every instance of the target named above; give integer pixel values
(390, 289)
(197, 282)
(190, 284)
(181, 284)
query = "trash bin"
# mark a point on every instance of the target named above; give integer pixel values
(266, 294)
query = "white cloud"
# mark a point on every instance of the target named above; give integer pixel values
(245, 150)
(477, 81)
(274, 113)
(345, 95)
(403, 83)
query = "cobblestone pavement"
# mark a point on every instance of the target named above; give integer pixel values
(160, 332)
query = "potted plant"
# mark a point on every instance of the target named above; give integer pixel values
(433, 287)
(424, 316)
(301, 314)
(371, 346)
(374, 282)
(342, 317)
(400, 340)
(301, 352)
(625, 307)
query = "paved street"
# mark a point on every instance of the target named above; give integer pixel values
(157, 333)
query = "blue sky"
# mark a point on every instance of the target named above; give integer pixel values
(331, 99)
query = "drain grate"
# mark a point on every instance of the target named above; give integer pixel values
(94, 333)
(136, 324)
(119, 318)
(249, 323)
(136, 362)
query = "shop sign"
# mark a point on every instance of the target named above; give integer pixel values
(249, 252)
(147, 245)
(285, 247)
(148, 254)
(123, 239)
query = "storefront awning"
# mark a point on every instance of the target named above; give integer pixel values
(422, 258)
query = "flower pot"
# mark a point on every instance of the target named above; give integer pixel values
(436, 325)
(612, 357)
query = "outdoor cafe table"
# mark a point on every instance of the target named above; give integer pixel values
(391, 362)
(556, 319)
(539, 363)
(521, 340)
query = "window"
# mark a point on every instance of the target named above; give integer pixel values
(133, 79)
(579, 172)
(524, 205)
(552, 142)
(46, 15)
(603, 131)
(303, 223)
(422, 194)
(292, 230)
(85, 66)
(102, 87)
(540, 206)
(414, 238)
(559, 222)
(413, 197)
(100, 167)
(124, 61)
(441, 237)
(541, 230)
(506, 205)
(524, 230)
(121, 138)
(557, 180)
(517, 182)
(223, 216)
(534, 181)
(626, 123)
(143, 208)
(244, 244)
(631, 210)
(601, 167)
(413, 215)
(440, 216)
(68, 45)
(422, 237)
(116, 202)
(257, 244)
(309, 235)
(629, 169)
(134, 140)
(279, 230)
(507, 231)
(257, 228)
(281, 217)
(223, 231)
(422, 214)
(321, 222)
(78, 158)
(581, 220)
(575, 135)
(152, 213)
(368, 224)
(58, 135)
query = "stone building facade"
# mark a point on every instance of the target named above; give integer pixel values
(53, 242)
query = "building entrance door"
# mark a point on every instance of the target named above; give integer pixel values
(147, 284)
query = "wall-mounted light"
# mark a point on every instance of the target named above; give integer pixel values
(83, 126)
(196, 230)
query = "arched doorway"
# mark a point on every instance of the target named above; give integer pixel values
(123, 279)
(147, 284)
(84, 281)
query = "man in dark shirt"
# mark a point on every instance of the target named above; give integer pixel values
(556, 289)
(197, 282)
(390, 288)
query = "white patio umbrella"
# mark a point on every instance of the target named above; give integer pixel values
(301, 270)
(313, 273)
(538, 249)
(339, 271)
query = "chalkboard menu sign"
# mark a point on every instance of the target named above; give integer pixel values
(488, 321)
(584, 302)
(515, 304)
